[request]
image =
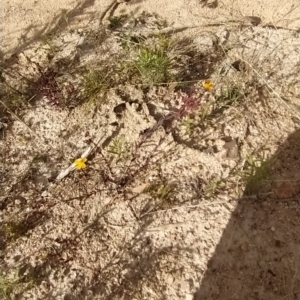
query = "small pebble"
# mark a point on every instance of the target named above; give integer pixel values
(17, 202)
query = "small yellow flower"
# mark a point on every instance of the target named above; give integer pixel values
(208, 85)
(80, 163)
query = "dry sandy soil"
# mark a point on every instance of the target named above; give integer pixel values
(162, 210)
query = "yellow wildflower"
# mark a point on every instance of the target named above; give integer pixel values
(208, 85)
(80, 163)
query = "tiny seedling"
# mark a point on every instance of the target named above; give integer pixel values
(15, 101)
(95, 83)
(153, 65)
(48, 40)
(65, 18)
(128, 42)
(119, 149)
(255, 172)
(213, 187)
(116, 22)
(189, 125)
(228, 97)
(13, 230)
(21, 283)
(7, 286)
(204, 112)
(161, 191)
(40, 158)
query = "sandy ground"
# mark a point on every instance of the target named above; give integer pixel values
(24, 22)
(103, 247)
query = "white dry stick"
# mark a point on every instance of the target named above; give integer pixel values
(72, 167)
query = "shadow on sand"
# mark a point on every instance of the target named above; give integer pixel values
(258, 256)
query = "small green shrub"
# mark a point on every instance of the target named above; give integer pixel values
(255, 173)
(231, 96)
(213, 187)
(96, 82)
(7, 286)
(119, 149)
(162, 192)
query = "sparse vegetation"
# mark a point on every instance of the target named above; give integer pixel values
(189, 125)
(153, 65)
(157, 60)
(162, 192)
(214, 185)
(7, 286)
(117, 21)
(13, 101)
(163, 122)
(13, 230)
(96, 84)
(119, 149)
(231, 96)
(255, 173)
(49, 41)
(147, 63)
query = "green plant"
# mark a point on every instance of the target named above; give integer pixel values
(14, 229)
(153, 65)
(40, 158)
(231, 95)
(148, 60)
(213, 187)
(158, 59)
(14, 101)
(48, 39)
(65, 18)
(189, 124)
(7, 286)
(161, 191)
(228, 97)
(21, 283)
(128, 42)
(204, 112)
(255, 172)
(119, 148)
(117, 21)
(96, 82)
(12, 98)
